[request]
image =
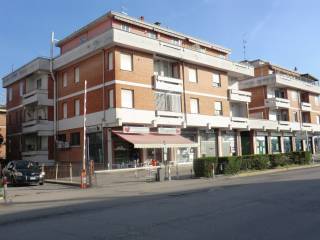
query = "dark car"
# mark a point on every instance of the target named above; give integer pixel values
(23, 172)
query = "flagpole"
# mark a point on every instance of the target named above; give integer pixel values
(83, 172)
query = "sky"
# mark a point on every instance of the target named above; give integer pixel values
(284, 32)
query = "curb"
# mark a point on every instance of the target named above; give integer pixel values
(256, 173)
(74, 184)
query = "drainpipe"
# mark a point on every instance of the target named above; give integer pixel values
(103, 105)
(184, 95)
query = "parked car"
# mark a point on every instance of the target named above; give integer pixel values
(23, 172)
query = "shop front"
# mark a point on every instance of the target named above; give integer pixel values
(261, 143)
(138, 148)
(287, 142)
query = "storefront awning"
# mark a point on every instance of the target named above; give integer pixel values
(154, 140)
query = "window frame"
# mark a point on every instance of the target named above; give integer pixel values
(214, 83)
(65, 79)
(77, 74)
(197, 104)
(21, 88)
(110, 61)
(122, 67)
(111, 98)
(196, 74)
(218, 112)
(122, 98)
(77, 107)
(125, 27)
(78, 143)
(10, 93)
(65, 110)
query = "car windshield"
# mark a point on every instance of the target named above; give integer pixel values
(26, 165)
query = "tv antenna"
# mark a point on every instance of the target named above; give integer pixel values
(244, 46)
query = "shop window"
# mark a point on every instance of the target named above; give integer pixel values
(208, 144)
(275, 144)
(75, 139)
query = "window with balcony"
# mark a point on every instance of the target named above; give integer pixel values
(77, 75)
(282, 115)
(218, 108)
(193, 76)
(279, 93)
(65, 79)
(168, 102)
(166, 68)
(75, 139)
(194, 105)
(216, 81)
(126, 98)
(126, 61)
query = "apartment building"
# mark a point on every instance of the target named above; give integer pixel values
(30, 112)
(152, 94)
(287, 102)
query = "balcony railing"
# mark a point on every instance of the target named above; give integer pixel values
(168, 83)
(277, 103)
(39, 96)
(239, 96)
(306, 106)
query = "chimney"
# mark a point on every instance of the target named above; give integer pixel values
(157, 23)
(141, 18)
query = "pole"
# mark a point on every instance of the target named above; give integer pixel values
(83, 172)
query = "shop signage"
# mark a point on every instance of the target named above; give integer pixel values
(172, 131)
(128, 129)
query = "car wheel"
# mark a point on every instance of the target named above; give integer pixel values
(41, 183)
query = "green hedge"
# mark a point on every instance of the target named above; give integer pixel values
(234, 164)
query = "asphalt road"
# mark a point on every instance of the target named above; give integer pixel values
(276, 206)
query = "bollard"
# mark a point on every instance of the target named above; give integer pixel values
(5, 189)
(70, 171)
(213, 173)
(57, 167)
(169, 172)
(177, 170)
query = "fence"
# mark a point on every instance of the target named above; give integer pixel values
(63, 171)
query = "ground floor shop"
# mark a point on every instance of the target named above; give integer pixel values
(136, 146)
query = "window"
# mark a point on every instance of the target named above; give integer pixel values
(77, 75)
(294, 95)
(125, 61)
(216, 81)
(65, 110)
(176, 42)
(77, 107)
(10, 94)
(318, 119)
(21, 89)
(65, 79)
(62, 137)
(192, 75)
(194, 105)
(126, 98)
(218, 108)
(39, 83)
(168, 102)
(110, 61)
(295, 117)
(125, 27)
(279, 93)
(152, 35)
(75, 139)
(317, 100)
(111, 102)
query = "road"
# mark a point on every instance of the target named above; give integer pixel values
(274, 206)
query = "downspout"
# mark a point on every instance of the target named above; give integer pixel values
(103, 105)
(184, 95)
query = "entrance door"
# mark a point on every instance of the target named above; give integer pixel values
(95, 147)
(245, 143)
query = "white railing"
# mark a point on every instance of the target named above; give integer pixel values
(277, 102)
(168, 83)
(238, 95)
(305, 106)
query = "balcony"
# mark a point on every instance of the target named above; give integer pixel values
(276, 103)
(305, 106)
(239, 123)
(239, 96)
(168, 84)
(37, 96)
(42, 127)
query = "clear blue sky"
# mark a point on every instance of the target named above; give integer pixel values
(285, 32)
